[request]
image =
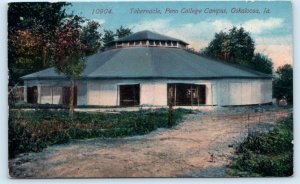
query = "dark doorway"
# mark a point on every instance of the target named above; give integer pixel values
(129, 95)
(186, 94)
(32, 94)
(66, 92)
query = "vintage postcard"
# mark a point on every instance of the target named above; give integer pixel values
(150, 89)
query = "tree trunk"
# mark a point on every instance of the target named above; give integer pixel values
(71, 105)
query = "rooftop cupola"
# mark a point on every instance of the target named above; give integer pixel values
(147, 39)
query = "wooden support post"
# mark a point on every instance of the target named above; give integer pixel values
(198, 95)
(175, 95)
(39, 90)
(52, 94)
(191, 94)
(118, 94)
(25, 93)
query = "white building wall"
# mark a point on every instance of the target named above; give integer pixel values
(93, 93)
(160, 94)
(153, 93)
(45, 90)
(106, 92)
(50, 95)
(222, 89)
(147, 93)
(213, 94)
(51, 91)
(81, 92)
(109, 94)
(57, 95)
(25, 91)
(39, 96)
(220, 92)
(244, 91)
(246, 95)
(267, 91)
(102, 93)
(45, 95)
(209, 94)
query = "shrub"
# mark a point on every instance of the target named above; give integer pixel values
(58, 137)
(35, 130)
(266, 154)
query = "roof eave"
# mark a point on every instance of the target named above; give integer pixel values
(148, 77)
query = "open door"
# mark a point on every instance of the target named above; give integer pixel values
(186, 94)
(66, 96)
(201, 94)
(129, 95)
(32, 94)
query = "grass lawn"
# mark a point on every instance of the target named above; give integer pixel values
(34, 130)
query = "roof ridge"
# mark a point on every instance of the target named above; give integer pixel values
(115, 52)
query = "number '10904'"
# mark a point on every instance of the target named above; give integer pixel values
(102, 11)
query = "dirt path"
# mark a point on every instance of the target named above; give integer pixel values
(198, 147)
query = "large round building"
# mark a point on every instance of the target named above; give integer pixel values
(150, 69)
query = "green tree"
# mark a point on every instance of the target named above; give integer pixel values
(218, 48)
(31, 28)
(91, 37)
(262, 63)
(283, 84)
(69, 51)
(122, 32)
(237, 46)
(108, 37)
(241, 46)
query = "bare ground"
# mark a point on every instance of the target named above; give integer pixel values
(201, 146)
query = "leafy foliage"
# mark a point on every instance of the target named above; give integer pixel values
(237, 46)
(262, 63)
(33, 29)
(71, 44)
(110, 36)
(35, 130)
(234, 46)
(283, 84)
(266, 154)
(91, 37)
(69, 48)
(122, 32)
(30, 30)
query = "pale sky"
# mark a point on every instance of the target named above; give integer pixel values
(272, 32)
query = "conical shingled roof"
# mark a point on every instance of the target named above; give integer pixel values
(153, 63)
(148, 35)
